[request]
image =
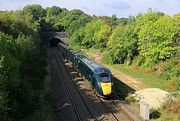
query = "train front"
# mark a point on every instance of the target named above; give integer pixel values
(105, 81)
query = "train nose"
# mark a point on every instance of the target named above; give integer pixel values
(106, 88)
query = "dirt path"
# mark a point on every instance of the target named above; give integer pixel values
(134, 83)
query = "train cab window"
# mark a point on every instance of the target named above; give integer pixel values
(105, 77)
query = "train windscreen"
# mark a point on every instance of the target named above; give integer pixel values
(105, 77)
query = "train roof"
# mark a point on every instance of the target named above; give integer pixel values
(97, 68)
(92, 64)
(80, 55)
(69, 49)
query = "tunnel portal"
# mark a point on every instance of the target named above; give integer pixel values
(54, 42)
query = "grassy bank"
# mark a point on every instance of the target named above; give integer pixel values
(148, 77)
(152, 80)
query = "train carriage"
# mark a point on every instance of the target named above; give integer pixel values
(71, 56)
(99, 76)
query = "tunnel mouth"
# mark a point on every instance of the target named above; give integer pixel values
(54, 42)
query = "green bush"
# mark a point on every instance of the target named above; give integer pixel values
(168, 69)
(139, 60)
(130, 99)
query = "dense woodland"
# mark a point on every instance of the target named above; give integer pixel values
(22, 65)
(149, 40)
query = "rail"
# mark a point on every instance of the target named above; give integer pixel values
(67, 88)
(86, 104)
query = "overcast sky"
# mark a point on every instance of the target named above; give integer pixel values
(122, 8)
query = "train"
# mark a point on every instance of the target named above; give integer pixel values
(99, 76)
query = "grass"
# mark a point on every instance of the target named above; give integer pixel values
(152, 80)
(170, 111)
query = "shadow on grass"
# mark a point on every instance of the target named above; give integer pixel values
(121, 89)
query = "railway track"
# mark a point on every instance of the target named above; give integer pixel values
(71, 88)
(122, 110)
(121, 115)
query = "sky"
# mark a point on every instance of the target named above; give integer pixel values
(122, 8)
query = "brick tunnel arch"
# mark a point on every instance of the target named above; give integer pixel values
(53, 42)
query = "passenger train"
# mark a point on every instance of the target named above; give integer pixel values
(99, 76)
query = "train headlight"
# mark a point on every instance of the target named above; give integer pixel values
(99, 84)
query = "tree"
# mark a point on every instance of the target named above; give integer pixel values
(130, 43)
(146, 18)
(96, 34)
(177, 36)
(53, 11)
(115, 45)
(155, 39)
(9, 78)
(35, 11)
(122, 44)
(88, 33)
(80, 22)
(77, 36)
(122, 21)
(114, 19)
(71, 16)
(101, 36)
(19, 42)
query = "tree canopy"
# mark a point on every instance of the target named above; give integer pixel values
(35, 11)
(21, 65)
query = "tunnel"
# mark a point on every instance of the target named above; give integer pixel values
(54, 42)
